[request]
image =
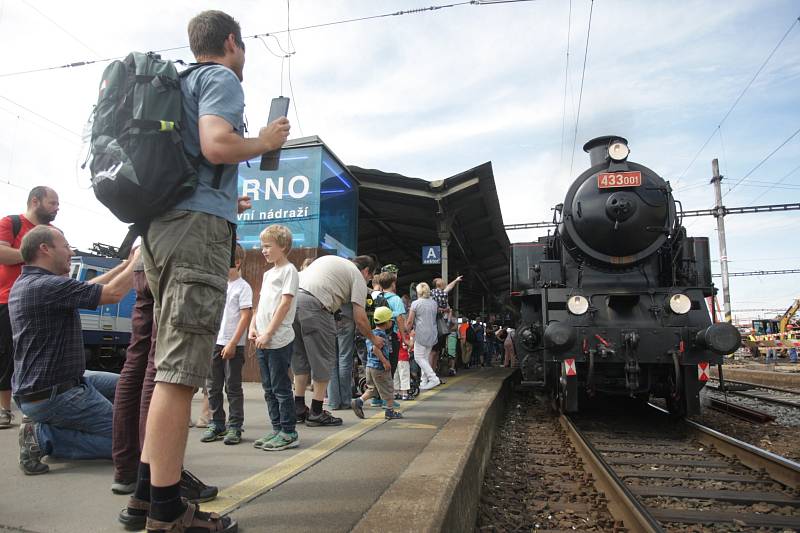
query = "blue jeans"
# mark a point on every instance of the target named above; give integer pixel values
(77, 423)
(340, 387)
(274, 365)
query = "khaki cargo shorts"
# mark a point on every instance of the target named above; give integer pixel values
(314, 348)
(380, 380)
(186, 259)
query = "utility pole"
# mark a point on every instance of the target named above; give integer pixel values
(719, 214)
(443, 226)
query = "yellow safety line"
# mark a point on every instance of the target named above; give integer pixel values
(242, 492)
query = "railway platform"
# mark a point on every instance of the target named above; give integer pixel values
(414, 474)
(762, 374)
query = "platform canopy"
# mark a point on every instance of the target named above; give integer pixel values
(398, 215)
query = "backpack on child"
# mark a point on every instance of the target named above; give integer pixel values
(139, 166)
(379, 300)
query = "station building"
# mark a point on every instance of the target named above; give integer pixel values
(429, 229)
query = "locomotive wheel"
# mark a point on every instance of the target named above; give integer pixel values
(676, 405)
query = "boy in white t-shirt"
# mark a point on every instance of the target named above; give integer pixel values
(272, 332)
(228, 359)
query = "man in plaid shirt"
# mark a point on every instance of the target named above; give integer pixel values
(70, 407)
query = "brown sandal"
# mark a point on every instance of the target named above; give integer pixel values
(194, 519)
(134, 516)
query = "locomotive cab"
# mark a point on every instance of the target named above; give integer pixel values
(614, 302)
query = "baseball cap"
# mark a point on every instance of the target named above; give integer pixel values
(382, 315)
(391, 267)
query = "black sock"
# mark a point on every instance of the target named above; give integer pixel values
(165, 503)
(316, 407)
(299, 401)
(143, 483)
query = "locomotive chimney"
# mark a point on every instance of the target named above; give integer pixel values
(597, 148)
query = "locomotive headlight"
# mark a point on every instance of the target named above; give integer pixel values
(618, 151)
(577, 304)
(680, 304)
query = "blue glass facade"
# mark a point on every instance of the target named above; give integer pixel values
(310, 193)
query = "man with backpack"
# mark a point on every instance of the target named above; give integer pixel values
(187, 254)
(42, 209)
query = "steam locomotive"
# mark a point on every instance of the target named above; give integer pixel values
(614, 302)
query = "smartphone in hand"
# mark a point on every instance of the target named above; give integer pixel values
(277, 109)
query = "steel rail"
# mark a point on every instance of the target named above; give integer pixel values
(760, 386)
(766, 399)
(740, 411)
(779, 468)
(623, 504)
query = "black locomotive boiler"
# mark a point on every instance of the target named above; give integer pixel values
(614, 302)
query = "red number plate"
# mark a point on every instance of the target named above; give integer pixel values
(608, 180)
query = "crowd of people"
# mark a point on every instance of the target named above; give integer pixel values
(193, 316)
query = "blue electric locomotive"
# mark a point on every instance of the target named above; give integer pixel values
(107, 329)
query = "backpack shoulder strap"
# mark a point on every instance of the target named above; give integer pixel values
(195, 66)
(16, 226)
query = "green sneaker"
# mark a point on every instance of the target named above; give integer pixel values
(282, 441)
(211, 434)
(266, 438)
(233, 436)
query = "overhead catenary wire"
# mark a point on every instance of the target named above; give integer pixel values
(780, 181)
(60, 27)
(580, 93)
(566, 84)
(764, 160)
(8, 182)
(40, 116)
(301, 28)
(292, 51)
(738, 99)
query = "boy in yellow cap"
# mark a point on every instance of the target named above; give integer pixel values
(379, 369)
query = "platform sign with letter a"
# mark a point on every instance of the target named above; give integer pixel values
(431, 255)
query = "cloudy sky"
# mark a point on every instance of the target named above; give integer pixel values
(432, 94)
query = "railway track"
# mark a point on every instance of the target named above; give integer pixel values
(775, 395)
(663, 475)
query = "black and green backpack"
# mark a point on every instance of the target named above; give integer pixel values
(139, 166)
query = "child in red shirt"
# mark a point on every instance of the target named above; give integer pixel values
(402, 377)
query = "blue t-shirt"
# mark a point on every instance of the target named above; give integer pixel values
(372, 359)
(396, 305)
(213, 90)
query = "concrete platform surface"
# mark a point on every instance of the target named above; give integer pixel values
(762, 375)
(327, 484)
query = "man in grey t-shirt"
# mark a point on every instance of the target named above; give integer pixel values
(187, 253)
(325, 286)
